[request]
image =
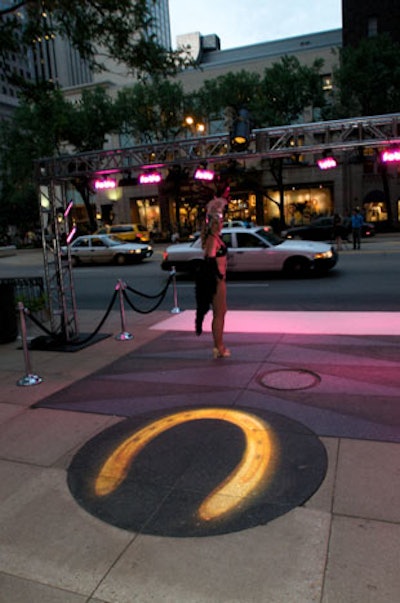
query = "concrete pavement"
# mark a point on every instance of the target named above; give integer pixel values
(341, 546)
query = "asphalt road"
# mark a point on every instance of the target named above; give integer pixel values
(363, 280)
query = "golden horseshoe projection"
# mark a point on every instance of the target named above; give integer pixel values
(254, 468)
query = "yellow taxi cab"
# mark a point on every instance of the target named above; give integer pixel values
(127, 232)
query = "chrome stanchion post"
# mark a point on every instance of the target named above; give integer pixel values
(124, 335)
(29, 378)
(176, 309)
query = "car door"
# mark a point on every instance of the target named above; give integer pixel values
(101, 253)
(251, 253)
(80, 250)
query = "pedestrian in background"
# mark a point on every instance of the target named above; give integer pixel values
(357, 222)
(337, 234)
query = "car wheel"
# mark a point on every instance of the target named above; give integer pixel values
(75, 261)
(297, 266)
(120, 259)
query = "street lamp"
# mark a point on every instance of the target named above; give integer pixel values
(193, 126)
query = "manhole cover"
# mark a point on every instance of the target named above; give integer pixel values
(288, 379)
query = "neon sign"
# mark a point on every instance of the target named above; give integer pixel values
(327, 163)
(390, 156)
(68, 209)
(71, 235)
(203, 174)
(150, 178)
(104, 184)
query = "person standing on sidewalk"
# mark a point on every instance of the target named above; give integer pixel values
(211, 277)
(357, 221)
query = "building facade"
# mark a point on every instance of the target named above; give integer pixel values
(369, 18)
(255, 193)
(308, 191)
(53, 59)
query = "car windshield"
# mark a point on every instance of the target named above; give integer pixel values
(113, 241)
(269, 236)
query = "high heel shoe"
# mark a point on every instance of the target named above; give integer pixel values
(224, 353)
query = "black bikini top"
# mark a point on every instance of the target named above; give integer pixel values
(222, 250)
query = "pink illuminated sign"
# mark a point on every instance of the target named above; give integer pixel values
(390, 156)
(203, 174)
(150, 178)
(100, 185)
(71, 235)
(68, 209)
(327, 163)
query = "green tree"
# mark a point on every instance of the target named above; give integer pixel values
(151, 111)
(237, 90)
(367, 81)
(36, 130)
(278, 98)
(98, 29)
(44, 128)
(90, 120)
(287, 88)
(88, 123)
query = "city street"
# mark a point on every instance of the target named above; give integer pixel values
(362, 280)
(329, 512)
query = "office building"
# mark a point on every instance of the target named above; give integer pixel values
(370, 18)
(53, 59)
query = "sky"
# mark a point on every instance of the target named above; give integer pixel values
(241, 22)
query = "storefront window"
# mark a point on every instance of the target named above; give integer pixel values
(301, 204)
(149, 213)
(375, 211)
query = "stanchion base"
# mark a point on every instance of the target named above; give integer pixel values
(124, 336)
(30, 380)
(176, 310)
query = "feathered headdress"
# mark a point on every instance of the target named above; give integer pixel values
(217, 206)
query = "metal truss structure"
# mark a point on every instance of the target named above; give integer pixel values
(54, 210)
(54, 175)
(309, 138)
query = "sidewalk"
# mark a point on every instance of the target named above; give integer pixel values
(341, 546)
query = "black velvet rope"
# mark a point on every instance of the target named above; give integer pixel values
(160, 296)
(56, 336)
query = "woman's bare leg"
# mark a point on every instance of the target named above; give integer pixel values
(219, 311)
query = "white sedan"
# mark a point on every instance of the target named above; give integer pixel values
(256, 250)
(105, 249)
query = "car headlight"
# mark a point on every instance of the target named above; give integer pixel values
(325, 255)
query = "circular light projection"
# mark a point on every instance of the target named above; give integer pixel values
(197, 471)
